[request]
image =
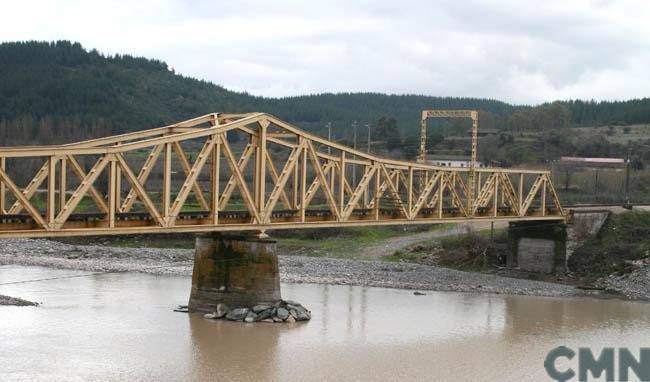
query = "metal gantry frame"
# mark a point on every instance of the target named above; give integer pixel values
(422, 155)
(276, 179)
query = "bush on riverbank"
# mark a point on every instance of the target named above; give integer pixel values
(624, 239)
(470, 251)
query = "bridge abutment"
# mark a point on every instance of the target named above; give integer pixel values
(538, 246)
(239, 271)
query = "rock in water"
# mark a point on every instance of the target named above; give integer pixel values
(250, 317)
(260, 307)
(237, 314)
(283, 314)
(302, 314)
(265, 314)
(418, 293)
(222, 310)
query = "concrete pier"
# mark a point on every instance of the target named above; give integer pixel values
(537, 246)
(239, 271)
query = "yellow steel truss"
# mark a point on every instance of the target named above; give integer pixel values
(280, 177)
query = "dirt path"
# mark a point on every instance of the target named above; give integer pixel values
(389, 246)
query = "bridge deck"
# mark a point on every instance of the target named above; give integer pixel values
(86, 224)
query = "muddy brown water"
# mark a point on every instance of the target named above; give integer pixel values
(120, 326)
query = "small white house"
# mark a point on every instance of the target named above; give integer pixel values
(452, 161)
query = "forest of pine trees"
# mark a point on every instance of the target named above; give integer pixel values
(54, 92)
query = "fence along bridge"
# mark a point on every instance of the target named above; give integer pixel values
(245, 172)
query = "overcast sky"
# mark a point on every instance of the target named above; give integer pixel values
(516, 51)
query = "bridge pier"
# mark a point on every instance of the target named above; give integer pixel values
(538, 246)
(238, 271)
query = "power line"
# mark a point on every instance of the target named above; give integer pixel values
(90, 274)
(54, 278)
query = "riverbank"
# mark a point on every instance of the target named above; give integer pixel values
(293, 269)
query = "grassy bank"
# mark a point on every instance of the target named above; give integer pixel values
(623, 241)
(472, 251)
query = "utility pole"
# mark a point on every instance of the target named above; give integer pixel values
(329, 137)
(368, 127)
(354, 168)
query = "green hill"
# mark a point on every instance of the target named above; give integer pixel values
(72, 91)
(59, 91)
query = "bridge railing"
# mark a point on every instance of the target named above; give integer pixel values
(245, 172)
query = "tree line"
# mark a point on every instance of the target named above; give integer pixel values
(60, 91)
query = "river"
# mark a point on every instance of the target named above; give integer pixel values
(120, 326)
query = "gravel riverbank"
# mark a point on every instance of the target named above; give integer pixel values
(293, 269)
(634, 285)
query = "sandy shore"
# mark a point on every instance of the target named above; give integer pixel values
(293, 269)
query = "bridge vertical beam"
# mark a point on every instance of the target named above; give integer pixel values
(112, 191)
(473, 188)
(303, 179)
(452, 186)
(496, 196)
(377, 189)
(3, 189)
(260, 171)
(422, 157)
(544, 197)
(51, 190)
(341, 183)
(409, 189)
(474, 116)
(332, 175)
(167, 182)
(441, 193)
(366, 194)
(472, 185)
(118, 188)
(521, 191)
(62, 182)
(296, 184)
(214, 178)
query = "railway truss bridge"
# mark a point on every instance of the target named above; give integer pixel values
(246, 172)
(252, 172)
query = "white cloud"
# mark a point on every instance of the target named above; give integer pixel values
(522, 52)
